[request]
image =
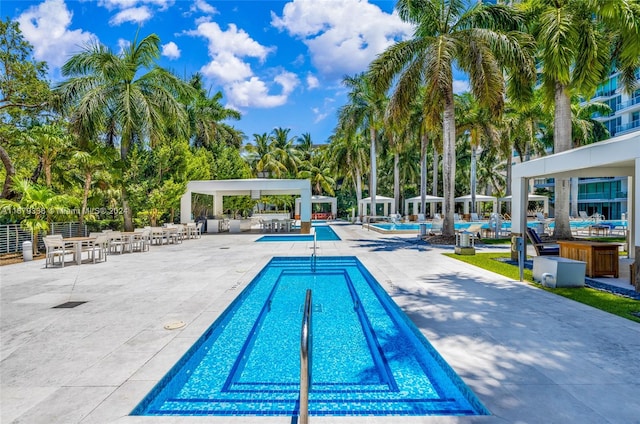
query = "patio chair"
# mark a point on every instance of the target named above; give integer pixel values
(55, 247)
(542, 249)
(473, 216)
(98, 248)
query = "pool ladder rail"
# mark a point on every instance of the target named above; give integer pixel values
(305, 351)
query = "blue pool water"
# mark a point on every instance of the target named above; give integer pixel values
(323, 233)
(367, 357)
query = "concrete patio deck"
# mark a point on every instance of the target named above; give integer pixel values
(530, 356)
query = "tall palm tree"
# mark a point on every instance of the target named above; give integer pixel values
(478, 123)
(124, 97)
(482, 40)
(580, 41)
(364, 111)
(318, 171)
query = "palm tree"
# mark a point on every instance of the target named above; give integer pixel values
(125, 98)
(478, 123)
(365, 111)
(48, 141)
(318, 171)
(579, 42)
(349, 160)
(205, 115)
(284, 151)
(41, 205)
(482, 40)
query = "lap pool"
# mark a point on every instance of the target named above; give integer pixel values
(367, 357)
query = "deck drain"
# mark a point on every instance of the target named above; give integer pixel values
(224, 247)
(69, 305)
(174, 325)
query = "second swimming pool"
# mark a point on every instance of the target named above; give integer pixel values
(367, 357)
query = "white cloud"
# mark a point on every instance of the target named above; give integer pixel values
(230, 51)
(460, 86)
(134, 14)
(255, 93)
(171, 50)
(312, 81)
(343, 36)
(127, 4)
(203, 6)
(46, 27)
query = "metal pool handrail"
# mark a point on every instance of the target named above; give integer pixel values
(305, 376)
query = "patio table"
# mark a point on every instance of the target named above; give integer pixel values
(77, 243)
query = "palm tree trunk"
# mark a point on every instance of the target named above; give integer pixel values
(358, 184)
(85, 197)
(474, 179)
(424, 140)
(448, 163)
(396, 181)
(562, 142)
(374, 172)
(435, 173)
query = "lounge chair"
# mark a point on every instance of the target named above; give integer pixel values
(436, 227)
(473, 216)
(542, 249)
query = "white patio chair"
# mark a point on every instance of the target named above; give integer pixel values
(97, 248)
(55, 247)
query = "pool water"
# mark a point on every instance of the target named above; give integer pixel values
(367, 357)
(323, 233)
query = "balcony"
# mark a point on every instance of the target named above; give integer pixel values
(628, 127)
(629, 103)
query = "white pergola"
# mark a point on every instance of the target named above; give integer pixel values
(415, 203)
(616, 157)
(333, 201)
(532, 198)
(387, 202)
(480, 198)
(255, 188)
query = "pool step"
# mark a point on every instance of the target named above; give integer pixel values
(289, 406)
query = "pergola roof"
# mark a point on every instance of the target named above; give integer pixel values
(254, 187)
(617, 157)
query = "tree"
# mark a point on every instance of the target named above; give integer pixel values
(205, 115)
(90, 163)
(482, 40)
(477, 122)
(349, 159)
(124, 96)
(36, 208)
(24, 93)
(580, 42)
(364, 111)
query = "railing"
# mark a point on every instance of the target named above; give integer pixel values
(305, 351)
(12, 236)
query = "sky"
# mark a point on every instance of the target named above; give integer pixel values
(279, 63)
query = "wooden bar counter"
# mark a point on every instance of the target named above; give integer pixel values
(601, 258)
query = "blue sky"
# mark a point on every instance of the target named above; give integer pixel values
(280, 63)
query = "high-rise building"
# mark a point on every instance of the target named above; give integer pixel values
(608, 196)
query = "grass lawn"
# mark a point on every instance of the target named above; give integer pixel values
(617, 305)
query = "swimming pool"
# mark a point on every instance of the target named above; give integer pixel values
(323, 233)
(367, 357)
(408, 226)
